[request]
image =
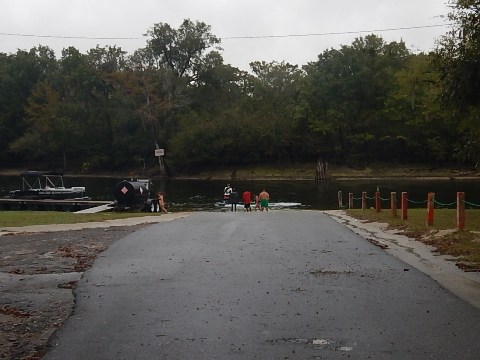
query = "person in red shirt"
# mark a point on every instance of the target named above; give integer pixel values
(247, 199)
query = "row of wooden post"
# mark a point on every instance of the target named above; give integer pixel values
(404, 206)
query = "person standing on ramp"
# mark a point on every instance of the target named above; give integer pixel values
(264, 199)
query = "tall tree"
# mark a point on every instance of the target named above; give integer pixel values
(419, 130)
(457, 61)
(19, 74)
(345, 94)
(49, 133)
(275, 90)
(173, 60)
(181, 50)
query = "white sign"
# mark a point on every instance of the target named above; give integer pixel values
(160, 152)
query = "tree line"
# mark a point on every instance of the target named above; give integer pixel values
(369, 101)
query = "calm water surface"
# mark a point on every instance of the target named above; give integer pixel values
(207, 195)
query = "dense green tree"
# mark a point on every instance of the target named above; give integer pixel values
(49, 133)
(363, 102)
(218, 85)
(275, 93)
(457, 63)
(181, 50)
(19, 74)
(171, 64)
(345, 93)
(457, 55)
(421, 130)
(107, 60)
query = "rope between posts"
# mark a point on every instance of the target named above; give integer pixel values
(472, 204)
(417, 202)
(438, 203)
(441, 204)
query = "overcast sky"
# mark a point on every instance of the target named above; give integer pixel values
(337, 21)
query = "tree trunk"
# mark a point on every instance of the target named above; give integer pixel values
(161, 163)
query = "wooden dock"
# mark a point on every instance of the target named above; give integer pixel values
(71, 205)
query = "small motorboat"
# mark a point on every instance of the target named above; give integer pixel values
(46, 185)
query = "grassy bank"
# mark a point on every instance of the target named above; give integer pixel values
(25, 218)
(462, 245)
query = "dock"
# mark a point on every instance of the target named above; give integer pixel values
(70, 205)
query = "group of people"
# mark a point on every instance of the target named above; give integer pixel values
(231, 196)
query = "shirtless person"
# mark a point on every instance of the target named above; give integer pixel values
(264, 198)
(161, 202)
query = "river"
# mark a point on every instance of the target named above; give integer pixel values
(206, 195)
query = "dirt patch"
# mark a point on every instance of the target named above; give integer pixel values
(38, 273)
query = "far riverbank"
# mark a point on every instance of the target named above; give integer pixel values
(286, 172)
(307, 172)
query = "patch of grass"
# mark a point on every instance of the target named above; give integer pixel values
(25, 218)
(463, 245)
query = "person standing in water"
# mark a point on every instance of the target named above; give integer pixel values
(226, 193)
(264, 199)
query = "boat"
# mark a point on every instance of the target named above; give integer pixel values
(38, 185)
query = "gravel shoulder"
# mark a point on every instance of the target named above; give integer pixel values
(39, 269)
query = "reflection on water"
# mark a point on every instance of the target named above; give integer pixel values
(206, 195)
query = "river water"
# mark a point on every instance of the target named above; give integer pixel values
(206, 195)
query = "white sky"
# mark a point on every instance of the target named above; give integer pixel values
(228, 18)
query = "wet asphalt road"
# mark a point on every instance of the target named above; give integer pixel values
(277, 285)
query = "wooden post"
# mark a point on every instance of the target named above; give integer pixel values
(350, 200)
(378, 202)
(404, 206)
(321, 170)
(430, 208)
(461, 210)
(340, 200)
(364, 200)
(161, 162)
(393, 203)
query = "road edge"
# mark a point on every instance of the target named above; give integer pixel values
(465, 285)
(91, 225)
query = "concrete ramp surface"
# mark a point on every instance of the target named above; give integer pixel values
(276, 285)
(96, 209)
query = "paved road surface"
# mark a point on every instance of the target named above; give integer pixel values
(277, 285)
